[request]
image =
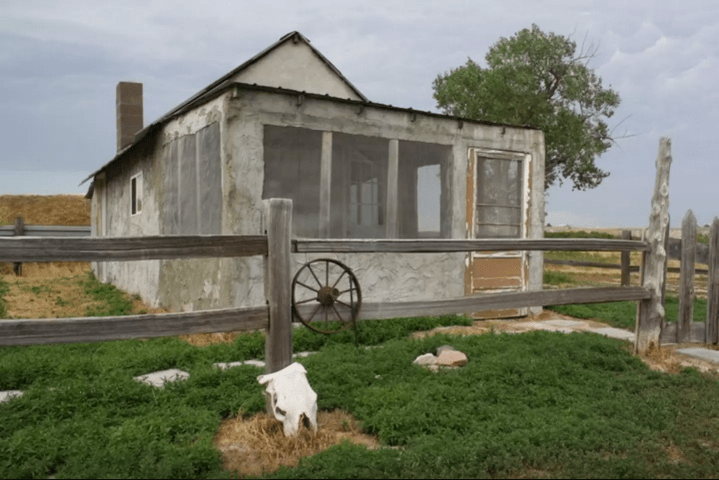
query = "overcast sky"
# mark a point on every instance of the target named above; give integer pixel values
(61, 60)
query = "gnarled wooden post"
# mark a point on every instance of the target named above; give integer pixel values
(650, 313)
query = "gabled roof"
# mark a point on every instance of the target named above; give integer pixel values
(221, 84)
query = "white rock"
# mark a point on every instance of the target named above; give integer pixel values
(290, 397)
(6, 395)
(452, 358)
(426, 359)
(303, 354)
(225, 366)
(158, 379)
(255, 363)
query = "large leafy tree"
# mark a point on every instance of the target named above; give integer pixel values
(539, 79)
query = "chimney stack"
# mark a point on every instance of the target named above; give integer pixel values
(129, 112)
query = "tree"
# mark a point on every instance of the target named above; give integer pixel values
(539, 79)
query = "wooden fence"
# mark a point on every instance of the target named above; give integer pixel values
(277, 246)
(690, 252)
(20, 229)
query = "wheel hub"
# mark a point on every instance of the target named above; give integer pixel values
(327, 295)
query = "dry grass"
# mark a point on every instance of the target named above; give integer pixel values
(257, 445)
(45, 209)
(73, 210)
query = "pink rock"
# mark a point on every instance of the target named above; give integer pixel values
(452, 358)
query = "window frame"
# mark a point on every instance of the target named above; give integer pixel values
(136, 194)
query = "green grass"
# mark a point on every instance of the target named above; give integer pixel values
(539, 403)
(623, 314)
(557, 278)
(114, 302)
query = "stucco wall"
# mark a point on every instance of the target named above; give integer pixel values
(295, 66)
(140, 277)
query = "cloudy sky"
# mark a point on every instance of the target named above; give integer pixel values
(61, 60)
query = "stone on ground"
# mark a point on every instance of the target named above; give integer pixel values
(6, 395)
(225, 366)
(612, 332)
(426, 359)
(452, 358)
(255, 363)
(445, 347)
(158, 379)
(700, 353)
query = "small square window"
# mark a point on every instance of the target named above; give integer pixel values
(136, 194)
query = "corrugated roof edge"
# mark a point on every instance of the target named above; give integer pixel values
(220, 89)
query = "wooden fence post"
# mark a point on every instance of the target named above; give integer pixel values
(712, 329)
(650, 313)
(19, 231)
(686, 285)
(277, 220)
(626, 235)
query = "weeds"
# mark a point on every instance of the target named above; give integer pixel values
(114, 302)
(552, 277)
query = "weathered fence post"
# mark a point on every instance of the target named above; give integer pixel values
(712, 329)
(650, 313)
(626, 235)
(19, 231)
(277, 223)
(686, 286)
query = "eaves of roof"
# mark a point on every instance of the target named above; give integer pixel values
(210, 94)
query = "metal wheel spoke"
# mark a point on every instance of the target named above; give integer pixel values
(345, 291)
(307, 286)
(339, 317)
(343, 303)
(314, 313)
(306, 301)
(339, 312)
(339, 278)
(313, 274)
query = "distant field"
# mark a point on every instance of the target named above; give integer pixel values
(71, 210)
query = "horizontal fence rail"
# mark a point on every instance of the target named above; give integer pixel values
(493, 301)
(31, 249)
(96, 329)
(456, 245)
(46, 231)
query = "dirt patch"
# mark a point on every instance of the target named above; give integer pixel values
(257, 445)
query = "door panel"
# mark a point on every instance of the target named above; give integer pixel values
(497, 199)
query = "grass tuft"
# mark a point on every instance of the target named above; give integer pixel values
(4, 289)
(114, 302)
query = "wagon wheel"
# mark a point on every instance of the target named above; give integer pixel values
(326, 296)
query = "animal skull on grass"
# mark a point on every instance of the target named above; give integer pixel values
(290, 397)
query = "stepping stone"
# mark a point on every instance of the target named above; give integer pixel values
(612, 332)
(225, 366)
(565, 323)
(303, 354)
(158, 379)
(700, 353)
(255, 363)
(6, 395)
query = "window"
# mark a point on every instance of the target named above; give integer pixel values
(499, 198)
(136, 194)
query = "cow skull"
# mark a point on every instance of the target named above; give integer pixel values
(290, 397)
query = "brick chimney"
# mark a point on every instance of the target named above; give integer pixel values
(129, 112)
